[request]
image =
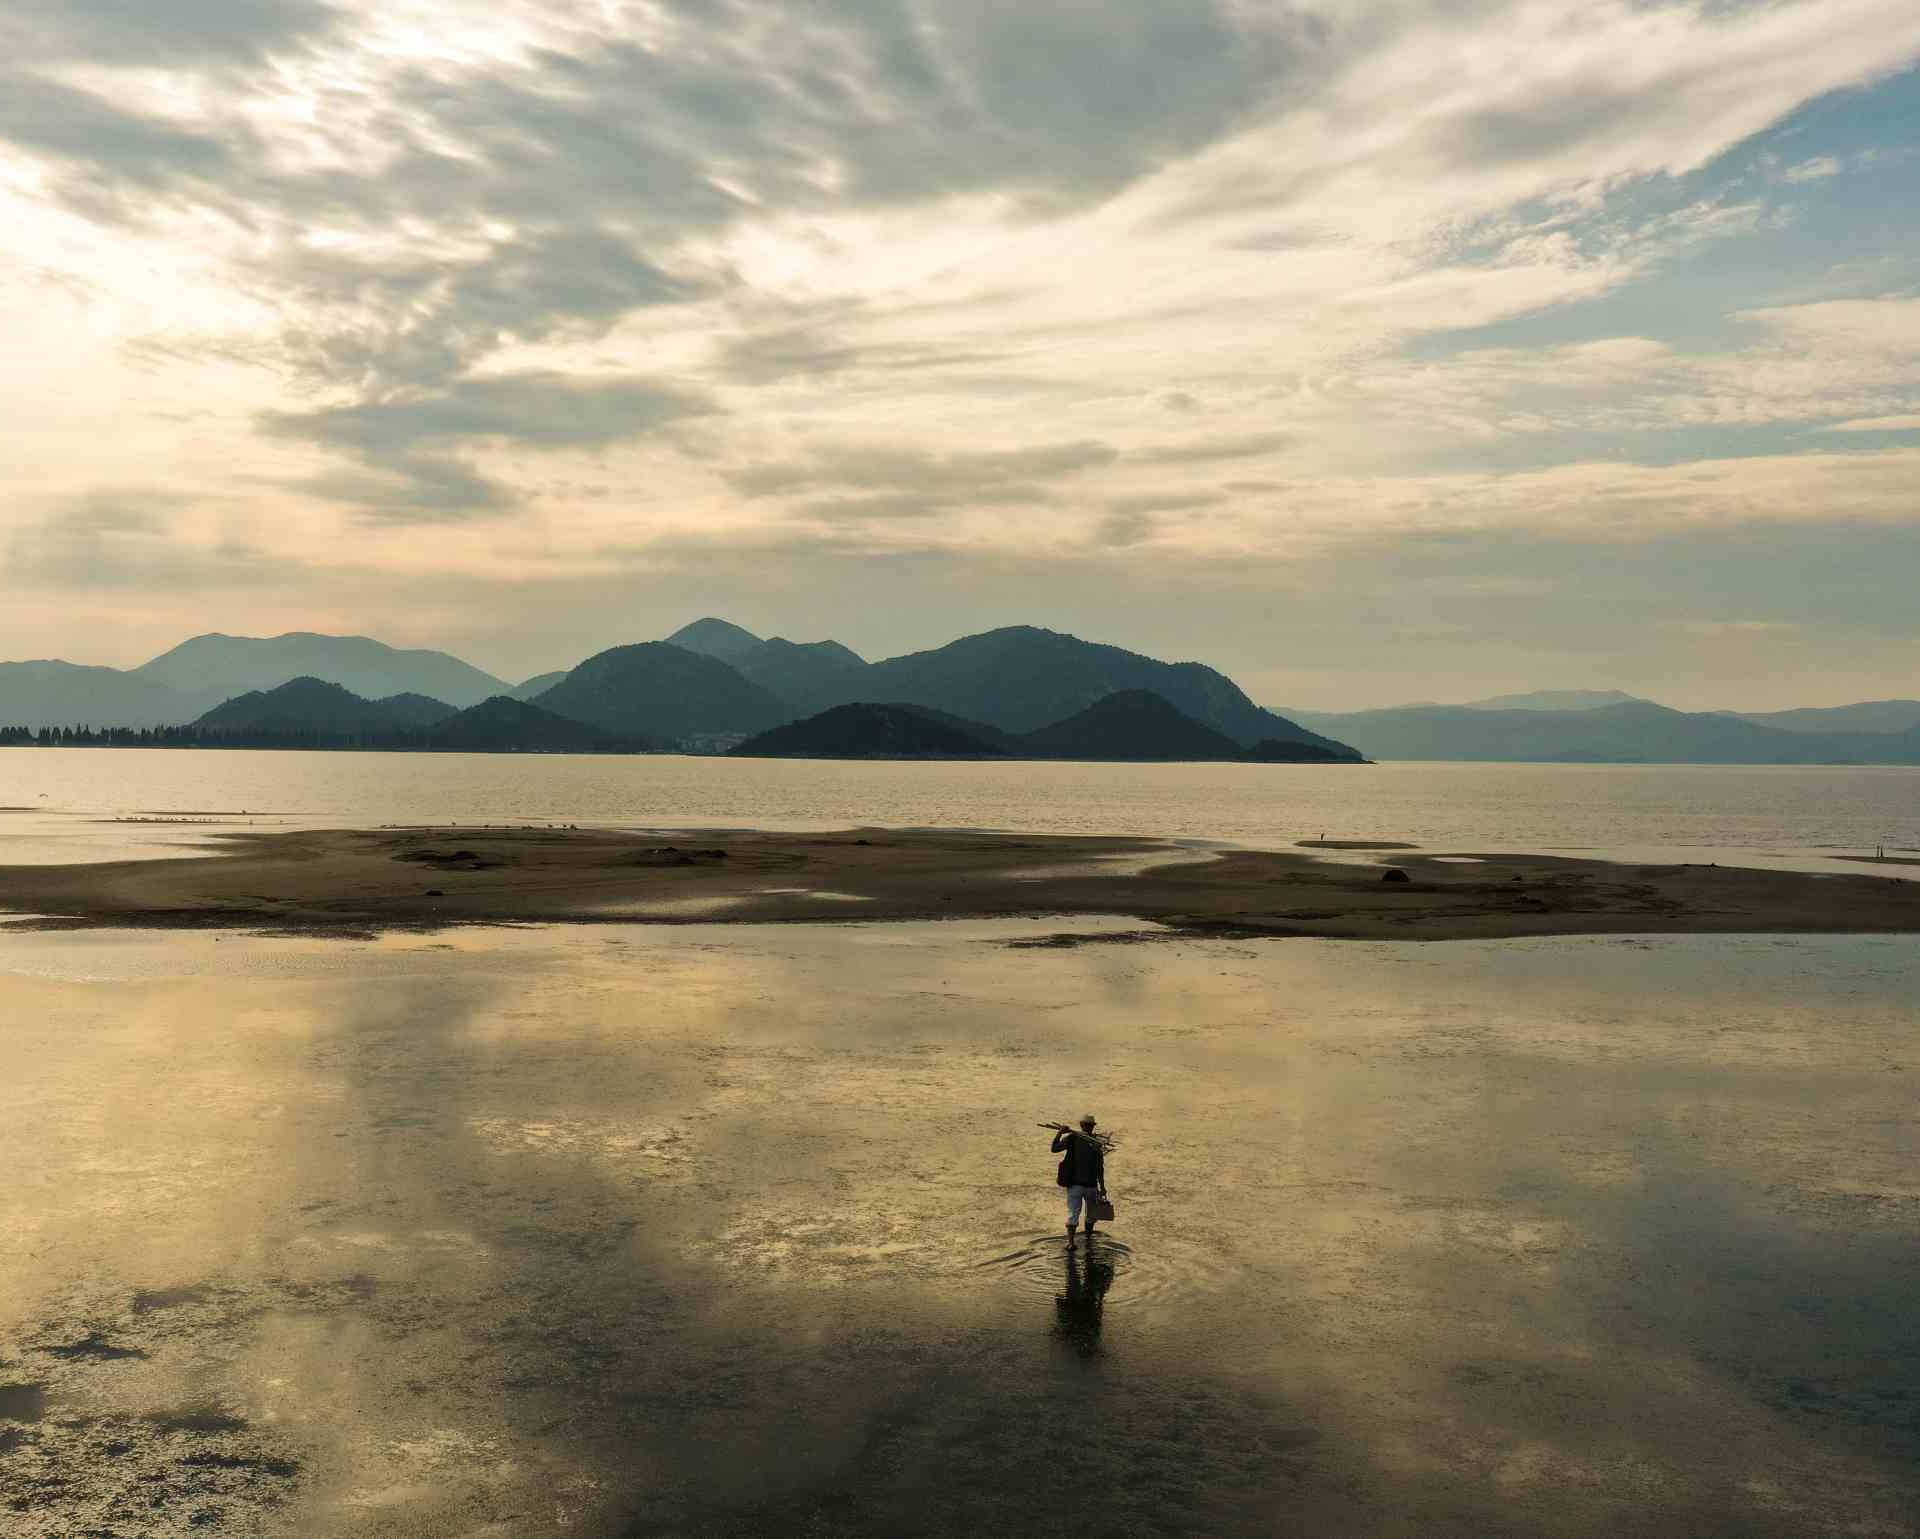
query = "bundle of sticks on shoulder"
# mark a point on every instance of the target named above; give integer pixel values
(1104, 1140)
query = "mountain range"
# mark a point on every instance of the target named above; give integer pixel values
(1018, 678)
(706, 688)
(713, 684)
(308, 713)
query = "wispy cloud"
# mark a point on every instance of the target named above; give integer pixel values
(1907, 422)
(411, 441)
(1202, 451)
(958, 473)
(127, 539)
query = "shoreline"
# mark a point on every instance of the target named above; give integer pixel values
(365, 881)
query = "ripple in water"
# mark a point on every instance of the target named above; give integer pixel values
(1037, 1265)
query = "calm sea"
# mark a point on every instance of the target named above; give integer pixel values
(1761, 815)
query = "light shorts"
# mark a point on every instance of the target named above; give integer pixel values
(1077, 1195)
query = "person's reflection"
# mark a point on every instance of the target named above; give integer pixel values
(1077, 1311)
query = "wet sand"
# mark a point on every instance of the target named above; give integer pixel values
(367, 881)
(701, 1232)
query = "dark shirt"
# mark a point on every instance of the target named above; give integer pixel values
(1085, 1163)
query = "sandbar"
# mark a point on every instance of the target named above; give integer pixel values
(362, 881)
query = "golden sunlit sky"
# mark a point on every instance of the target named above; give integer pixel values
(1371, 350)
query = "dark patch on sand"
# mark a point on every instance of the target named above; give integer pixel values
(170, 1298)
(450, 860)
(22, 1402)
(357, 1289)
(197, 1418)
(1066, 940)
(254, 1464)
(94, 1347)
(120, 1476)
(673, 855)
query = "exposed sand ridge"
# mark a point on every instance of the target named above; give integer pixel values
(348, 880)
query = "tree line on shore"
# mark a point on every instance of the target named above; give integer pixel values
(192, 736)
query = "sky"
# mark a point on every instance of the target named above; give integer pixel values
(1371, 350)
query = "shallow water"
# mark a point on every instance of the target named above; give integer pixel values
(1734, 814)
(623, 1231)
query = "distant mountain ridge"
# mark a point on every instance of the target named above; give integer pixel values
(1021, 678)
(539, 684)
(1129, 726)
(200, 673)
(873, 730)
(224, 666)
(302, 705)
(308, 712)
(49, 692)
(714, 638)
(1865, 716)
(718, 684)
(1557, 700)
(1636, 732)
(808, 675)
(657, 690)
(505, 725)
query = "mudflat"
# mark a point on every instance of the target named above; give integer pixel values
(412, 877)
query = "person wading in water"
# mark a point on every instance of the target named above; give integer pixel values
(1083, 1171)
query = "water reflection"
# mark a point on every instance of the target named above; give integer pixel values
(1079, 1308)
(544, 1237)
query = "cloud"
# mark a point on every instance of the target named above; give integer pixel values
(805, 352)
(410, 441)
(127, 539)
(545, 174)
(1817, 169)
(1169, 501)
(537, 410)
(1907, 423)
(402, 488)
(795, 351)
(965, 472)
(896, 274)
(1799, 365)
(1730, 630)
(127, 32)
(1123, 527)
(111, 159)
(488, 157)
(1204, 450)
(389, 322)
(911, 505)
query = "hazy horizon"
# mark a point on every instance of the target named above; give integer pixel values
(1369, 352)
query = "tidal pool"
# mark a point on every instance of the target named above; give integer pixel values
(624, 1231)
